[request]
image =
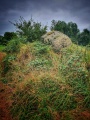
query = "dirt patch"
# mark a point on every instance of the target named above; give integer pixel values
(5, 103)
(78, 115)
(2, 55)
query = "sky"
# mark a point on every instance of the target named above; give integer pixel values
(44, 11)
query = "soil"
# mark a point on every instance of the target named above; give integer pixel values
(5, 103)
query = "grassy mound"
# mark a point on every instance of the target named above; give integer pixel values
(47, 85)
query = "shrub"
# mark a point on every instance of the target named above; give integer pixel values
(41, 48)
(30, 29)
(39, 63)
(7, 62)
(13, 46)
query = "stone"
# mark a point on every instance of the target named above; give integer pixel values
(57, 40)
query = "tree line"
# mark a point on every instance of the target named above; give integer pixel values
(32, 31)
(71, 30)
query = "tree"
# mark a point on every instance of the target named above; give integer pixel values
(73, 29)
(30, 29)
(59, 26)
(9, 35)
(70, 29)
(84, 37)
(1, 40)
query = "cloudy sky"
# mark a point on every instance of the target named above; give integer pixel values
(44, 11)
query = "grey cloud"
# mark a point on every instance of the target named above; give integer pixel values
(44, 11)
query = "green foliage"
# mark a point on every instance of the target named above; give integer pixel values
(1, 40)
(84, 37)
(27, 105)
(65, 86)
(72, 67)
(54, 96)
(4, 80)
(59, 26)
(41, 48)
(61, 89)
(71, 29)
(7, 62)
(39, 63)
(30, 29)
(87, 57)
(39, 100)
(13, 46)
(7, 37)
(73, 64)
(2, 47)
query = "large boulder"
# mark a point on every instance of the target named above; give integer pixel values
(57, 39)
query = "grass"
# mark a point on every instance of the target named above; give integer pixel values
(47, 85)
(2, 48)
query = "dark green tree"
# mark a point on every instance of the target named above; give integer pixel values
(84, 37)
(30, 29)
(9, 35)
(70, 29)
(59, 26)
(1, 40)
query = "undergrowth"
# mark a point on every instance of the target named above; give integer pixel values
(47, 85)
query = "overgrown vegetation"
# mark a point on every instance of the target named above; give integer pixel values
(47, 85)
(2, 47)
(31, 30)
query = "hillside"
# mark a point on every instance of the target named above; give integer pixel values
(41, 83)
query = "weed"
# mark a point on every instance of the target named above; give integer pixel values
(4, 80)
(7, 62)
(13, 46)
(41, 48)
(2, 47)
(39, 63)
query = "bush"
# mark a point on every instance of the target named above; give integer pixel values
(7, 62)
(30, 29)
(41, 48)
(40, 63)
(13, 46)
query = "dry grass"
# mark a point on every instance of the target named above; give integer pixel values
(44, 92)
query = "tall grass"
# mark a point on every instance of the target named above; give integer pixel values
(54, 85)
(2, 47)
